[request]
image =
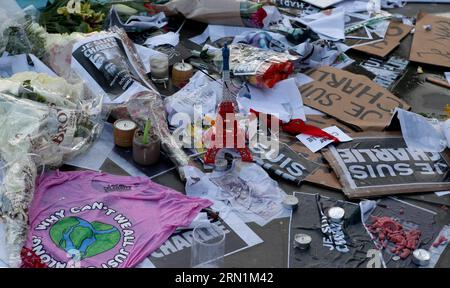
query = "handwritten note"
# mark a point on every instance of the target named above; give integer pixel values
(431, 42)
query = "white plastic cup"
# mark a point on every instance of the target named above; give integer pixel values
(208, 246)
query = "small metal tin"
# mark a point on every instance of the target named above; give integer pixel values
(421, 257)
(336, 214)
(302, 241)
(220, 165)
(290, 202)
(396, 258)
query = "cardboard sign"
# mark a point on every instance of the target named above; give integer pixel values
(410, 217)
(431, 46)
(341, 245)
(323, 176)
(395, 33)
(382, 164)
(285, 162)
(352, 99)
(176, 251)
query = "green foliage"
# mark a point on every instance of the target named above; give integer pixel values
(89, 17)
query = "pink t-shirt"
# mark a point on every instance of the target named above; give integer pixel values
(92, 219)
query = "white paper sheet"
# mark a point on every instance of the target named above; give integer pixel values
(261, 197)
(316, 143)
(442, 193)
(12, 64)
(329, 26)
(216, 32)
(283, 100)
(170, 38)
(322, 3)
(447, 76)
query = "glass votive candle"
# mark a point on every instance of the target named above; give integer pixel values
(159, 68)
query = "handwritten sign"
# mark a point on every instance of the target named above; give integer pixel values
(395, 33)
(382, 164)
(352, 99)
(431, 45)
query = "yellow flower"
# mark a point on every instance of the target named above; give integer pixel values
(447, 110)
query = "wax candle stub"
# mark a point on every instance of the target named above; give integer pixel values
(302, 241)
(181, 73)
(123, 132)
(125, 125)
(421, 257)
(336, 214)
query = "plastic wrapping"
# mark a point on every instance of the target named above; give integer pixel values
(246, 188)
(262, 68)
(231, 12)
(46, 121)
(420, 133)
(149, 105)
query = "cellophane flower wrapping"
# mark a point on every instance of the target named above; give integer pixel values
(45, 121)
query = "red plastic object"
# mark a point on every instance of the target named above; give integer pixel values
(227, 109)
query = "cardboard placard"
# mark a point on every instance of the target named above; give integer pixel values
(381, 164)
(352, 99)
(395, 33)
(323, 176)
(176, 251)
(410, 217)
(431, 46)
(287, 164)
(346, 247)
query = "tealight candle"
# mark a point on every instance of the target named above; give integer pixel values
(421, 257)
(336, 214)
(181, 73)
(302, 241)
(290, 202)
(123, 132)
(159, 68)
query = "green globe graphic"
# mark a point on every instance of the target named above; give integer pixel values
(89, 238)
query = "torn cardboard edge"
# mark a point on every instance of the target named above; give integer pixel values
(354, 189)
(394, 35)
(431, 42)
